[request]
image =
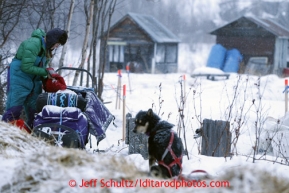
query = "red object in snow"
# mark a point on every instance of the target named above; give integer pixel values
(21, 124)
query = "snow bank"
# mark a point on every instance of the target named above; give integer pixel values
(30, 165)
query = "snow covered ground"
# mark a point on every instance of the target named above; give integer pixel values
(29, 165)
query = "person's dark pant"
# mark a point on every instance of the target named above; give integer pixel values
(14, 113)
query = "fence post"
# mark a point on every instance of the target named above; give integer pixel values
(138, 143)
(216, 138)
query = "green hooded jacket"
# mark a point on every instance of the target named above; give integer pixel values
(28, 52)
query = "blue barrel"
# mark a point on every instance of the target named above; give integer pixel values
(232, 61)
(217, 56)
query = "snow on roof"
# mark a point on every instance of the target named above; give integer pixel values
(155, 30)
(270, 25)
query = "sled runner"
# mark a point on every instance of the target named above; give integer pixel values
(64, 108)
(59, 135)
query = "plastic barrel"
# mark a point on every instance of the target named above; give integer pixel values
(232, 61)
(217, 56)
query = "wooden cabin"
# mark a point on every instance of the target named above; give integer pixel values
(257, 39)
(142, 43)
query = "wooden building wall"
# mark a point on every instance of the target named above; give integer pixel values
(140, 49)
(142, 54)
(129, 32)
(250, 46)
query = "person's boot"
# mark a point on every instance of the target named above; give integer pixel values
(21, 124)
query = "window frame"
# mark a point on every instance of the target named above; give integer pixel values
(162, 51)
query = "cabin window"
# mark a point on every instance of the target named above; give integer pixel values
(166, 53)
(116, 53)
(171, 53)
(160, 55)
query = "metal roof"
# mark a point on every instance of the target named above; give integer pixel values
(153, 28)
(271, 26)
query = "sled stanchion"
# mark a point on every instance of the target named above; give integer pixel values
(123, 115)
(286, 95)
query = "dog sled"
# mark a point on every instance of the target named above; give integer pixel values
(69, 118)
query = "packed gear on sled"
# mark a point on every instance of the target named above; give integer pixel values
(97, 116)
(61, 99)
(50, 120)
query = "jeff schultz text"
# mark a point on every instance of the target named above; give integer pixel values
(103, 183)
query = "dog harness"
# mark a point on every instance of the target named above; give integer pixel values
(177, 160)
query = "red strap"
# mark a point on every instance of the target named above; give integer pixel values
(166, 166)
(177, 160)
(187, 178)
(199, 171)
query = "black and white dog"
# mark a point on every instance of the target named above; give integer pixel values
(164, 146)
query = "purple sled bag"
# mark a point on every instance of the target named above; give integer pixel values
(70, 117)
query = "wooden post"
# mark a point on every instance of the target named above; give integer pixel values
(184, 77)
(127, 70)
(118, 87)
(123, 114)
(216, 138)
(128, 117)
(286, 96)
(119, 92)
(138, 143)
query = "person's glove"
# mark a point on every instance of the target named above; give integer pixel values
(54, 84)
(52, 73)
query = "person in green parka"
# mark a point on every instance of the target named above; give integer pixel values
(25, 74)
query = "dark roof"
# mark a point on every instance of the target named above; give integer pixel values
(153, 28)
(269, 25)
